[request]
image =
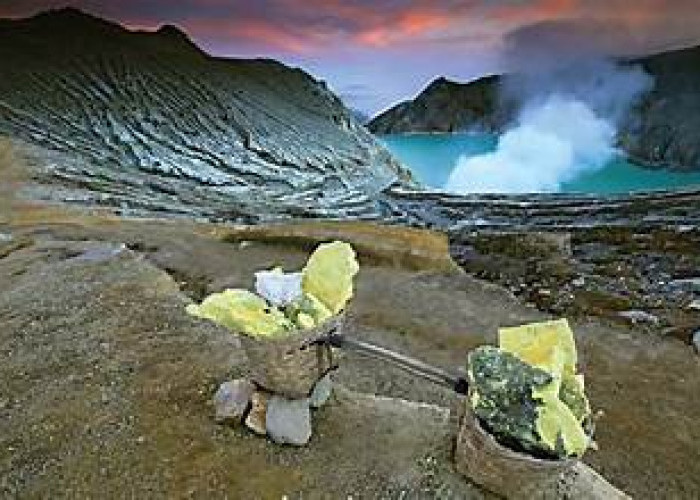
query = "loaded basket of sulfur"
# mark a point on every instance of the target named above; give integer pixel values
(527, 422)
(280, 325)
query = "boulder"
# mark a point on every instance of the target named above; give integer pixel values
(255, 421)
(321, 392)
(288, 421)
(635, 316)
(232, 400)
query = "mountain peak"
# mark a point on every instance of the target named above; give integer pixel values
(172, 32)
(69, 29)
(129, 105)
(438, 82)
(71, 15)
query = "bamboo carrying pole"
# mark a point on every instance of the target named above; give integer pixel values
(411, 365)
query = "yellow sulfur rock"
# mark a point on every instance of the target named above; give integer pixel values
(328, 275)
(307, 311)
(242, 311)
(555, 421)
(550, 346)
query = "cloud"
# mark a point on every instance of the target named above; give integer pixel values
(290, 25)
(318, 26)
(611, 28)
(397, 46)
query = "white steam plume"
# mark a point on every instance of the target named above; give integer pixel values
(566, 126)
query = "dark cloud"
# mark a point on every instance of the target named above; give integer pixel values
(297, 26)
(611, 28)
(399, 45)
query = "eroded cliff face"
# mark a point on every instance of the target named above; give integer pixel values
(660, 131)
(146, 119)
(447, 106)
(665, 130)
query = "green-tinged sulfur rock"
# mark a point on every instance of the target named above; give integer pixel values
(550, 346)
(328, 275)
(502, 397)
(308, 311)
(572, 394)
(559, 430)
(556, 411)
(242, 311)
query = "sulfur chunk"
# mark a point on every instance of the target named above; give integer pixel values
(572, 394)
(278, 287)
(556, 411)
(242, 311)
(308, 311)
(501, 389)
(559, 429)
(329, 273)
(304, 321)
(548, 345)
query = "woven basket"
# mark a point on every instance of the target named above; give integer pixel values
(510, 474)
(291, 365)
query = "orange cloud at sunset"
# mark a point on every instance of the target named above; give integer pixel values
(408, 25)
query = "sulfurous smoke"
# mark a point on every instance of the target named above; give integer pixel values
(566, 126)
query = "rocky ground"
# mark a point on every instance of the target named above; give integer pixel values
(109, 382)
(646, 279)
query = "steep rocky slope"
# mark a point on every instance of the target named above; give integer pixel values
(661, 131)
(446, 106)
(668, 133)
(146, 118)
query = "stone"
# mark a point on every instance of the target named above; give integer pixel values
(692, 284)
(521, 244)
(288, 421)
(579, 282)
(100, 252)
(636, 316)
(321, 392)
(232, 399)
(694, 305)
(256, 419)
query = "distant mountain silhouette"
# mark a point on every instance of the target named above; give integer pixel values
(446, 106)
(663, 133)
(149, 121)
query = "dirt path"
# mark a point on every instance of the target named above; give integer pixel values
(109, 381)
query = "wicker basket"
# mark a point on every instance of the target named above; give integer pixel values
(517, 475)
(292, 364)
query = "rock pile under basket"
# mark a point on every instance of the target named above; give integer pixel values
(289, 376)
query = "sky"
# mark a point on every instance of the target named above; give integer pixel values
(376, 53)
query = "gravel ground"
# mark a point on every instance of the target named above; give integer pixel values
(109, 382)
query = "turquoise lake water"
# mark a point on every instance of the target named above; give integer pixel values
(432, 157)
